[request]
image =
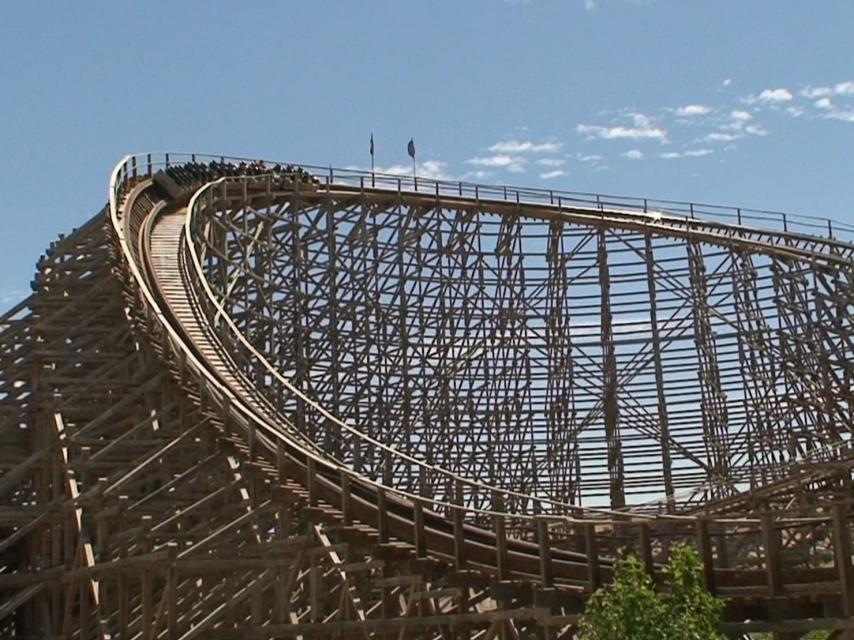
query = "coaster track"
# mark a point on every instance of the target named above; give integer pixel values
(244, 401)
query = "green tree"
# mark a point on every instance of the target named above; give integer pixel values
(695, 613)
(630, 609)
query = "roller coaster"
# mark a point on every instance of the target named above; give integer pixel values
(263, 400)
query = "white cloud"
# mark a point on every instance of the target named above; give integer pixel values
(839, 89)
(643, 128)
(845, 116)
(698, 153)
(795, 112)
(633, 154)
(816, 92)
(557, 173)
(717, 136)
(551, 162)
(690, 153)
(775, 95)
(480, 174)
(525, 146)
(430, 169)
(822, 97)
(770, 96)
(727, 82)
(741, 116)
(755, 130)
(693, 110)
(590, 158)
(506, 161)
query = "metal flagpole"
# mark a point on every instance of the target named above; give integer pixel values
(373, 182)
(410, 149)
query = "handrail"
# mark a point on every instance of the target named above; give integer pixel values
(826, 229)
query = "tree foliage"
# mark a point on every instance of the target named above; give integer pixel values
(630, 608)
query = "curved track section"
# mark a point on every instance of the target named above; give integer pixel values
(247, 402)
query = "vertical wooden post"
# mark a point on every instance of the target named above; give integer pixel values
(594, 573)
(663, 419)
(500, 537)
(610, 406)
(771, 546)
(346, 498)
(420, 533)
(311, 471)
(280, 461)
(645, 544)
(842, 546)
(147, 586)
(704, 544)
(546, 569)
(124, 604)
(382, 515)
(459, 535)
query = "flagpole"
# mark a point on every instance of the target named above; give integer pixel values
(373, 178)
(410, 149)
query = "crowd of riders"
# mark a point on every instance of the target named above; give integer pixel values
(195, 172)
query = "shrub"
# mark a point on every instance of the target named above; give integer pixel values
(630, 609)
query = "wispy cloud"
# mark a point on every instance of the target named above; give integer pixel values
(688, 153)
(755, 130)
(515, 164)
(480, 174)
(525, 146)
(845, 116)
(691, 110)
(738, 124)
(718, 136)
(557, 173)
(839, 89)
(430, 169)
(832, 102)
(642, 128)
(591, 5)
(633, 154)
(551, 162)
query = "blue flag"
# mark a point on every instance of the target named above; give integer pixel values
(410, 148)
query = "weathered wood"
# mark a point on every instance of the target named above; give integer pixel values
(315, 410)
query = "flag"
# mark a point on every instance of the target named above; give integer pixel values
(372, 144)
(410, 148)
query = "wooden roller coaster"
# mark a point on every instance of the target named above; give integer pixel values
(255, 400)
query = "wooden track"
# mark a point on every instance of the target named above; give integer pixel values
(167, 481)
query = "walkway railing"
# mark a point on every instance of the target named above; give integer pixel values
(759, 219)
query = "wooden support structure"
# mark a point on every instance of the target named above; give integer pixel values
(242, 401)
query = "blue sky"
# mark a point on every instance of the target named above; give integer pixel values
(732, 102)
